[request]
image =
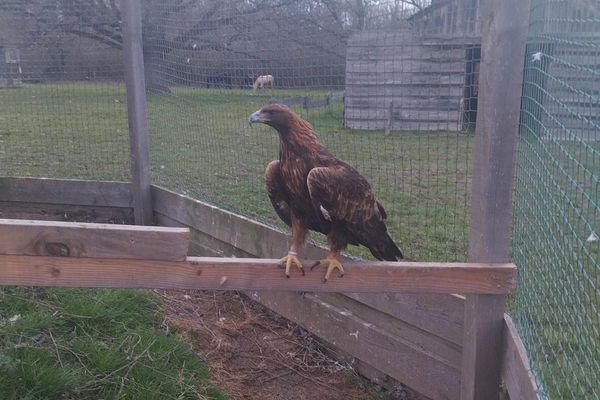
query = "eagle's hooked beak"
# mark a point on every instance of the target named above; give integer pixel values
(257, 116)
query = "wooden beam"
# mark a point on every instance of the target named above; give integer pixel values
(253, 274)
(235, 235)
(73, 239)
(136, 110)
(66, 191)
(504, 35)
(516, 371)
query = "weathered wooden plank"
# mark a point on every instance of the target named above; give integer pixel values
(203, 245)
(416, 78)
(133, 60)
(66, 191)
(63, 212)
(433, 345)
(405, 91)
(407, 67)
(428, 126)
(402, 114)
(248, 235)
(408, 104)
(504, 36)
(441, 315)
(337, 325)
(253, 274)
(516, 371)
(245, 235)
(75, 239)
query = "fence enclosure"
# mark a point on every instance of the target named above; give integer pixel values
(410, 119)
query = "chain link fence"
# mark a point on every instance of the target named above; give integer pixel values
(386, 89)
(557, 204)
(62, 99)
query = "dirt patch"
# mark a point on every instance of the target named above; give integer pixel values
(254, 354)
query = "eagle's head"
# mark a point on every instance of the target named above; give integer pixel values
(277, 116)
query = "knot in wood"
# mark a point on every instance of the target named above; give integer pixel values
(57, 249)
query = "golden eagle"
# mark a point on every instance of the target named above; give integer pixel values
(312, 189)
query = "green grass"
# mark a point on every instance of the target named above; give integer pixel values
(93, 344)
(202, 146)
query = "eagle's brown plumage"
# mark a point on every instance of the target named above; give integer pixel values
(312, 189)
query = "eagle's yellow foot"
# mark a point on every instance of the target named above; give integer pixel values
(288, 260)
(331, 264)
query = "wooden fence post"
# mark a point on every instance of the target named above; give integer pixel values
(504, 36)
(136, 109)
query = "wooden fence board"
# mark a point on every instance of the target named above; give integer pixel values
(252, 274)
(441, 315)
(73, 239)
(60, 212)
(339, 327)
(66, 191)
(516, 371)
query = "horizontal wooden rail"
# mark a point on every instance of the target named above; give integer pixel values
(75, 239)
(254, 274)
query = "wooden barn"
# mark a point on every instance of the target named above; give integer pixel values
(421, 77)
(424, 77)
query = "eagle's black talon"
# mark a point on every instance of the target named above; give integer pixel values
(302, 270)
(315, 265)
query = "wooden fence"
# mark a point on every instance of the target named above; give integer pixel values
(415, 339)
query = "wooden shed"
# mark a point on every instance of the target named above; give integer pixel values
(421, 77)
(10, 67)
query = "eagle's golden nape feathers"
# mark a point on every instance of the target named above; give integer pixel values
(311, 189)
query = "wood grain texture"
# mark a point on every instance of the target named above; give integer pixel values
(252, 274)
(66, 191)
(133, 61)
(62, 212)
(398, 67)
(516, 370)
(441, 315)
(504, 35)
(74, 239)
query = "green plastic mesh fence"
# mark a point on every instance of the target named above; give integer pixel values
(63, 111)
(387, 87)
(557, 205)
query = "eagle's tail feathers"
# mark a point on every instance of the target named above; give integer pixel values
(386, 249)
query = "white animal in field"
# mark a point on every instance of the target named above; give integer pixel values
(262, 81)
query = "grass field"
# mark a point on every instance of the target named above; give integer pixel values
(202, 146)
(93, 344)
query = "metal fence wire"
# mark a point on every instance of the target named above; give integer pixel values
(63, 112)
(557, 202)
(384, 88)
(390, 86)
